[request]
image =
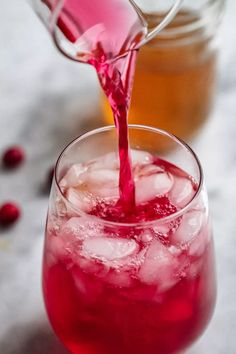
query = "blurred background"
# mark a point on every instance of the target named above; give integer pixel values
(46, 101)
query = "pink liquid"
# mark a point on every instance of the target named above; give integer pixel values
(118, 90)
(106, 30)
(107, 319)
(113, 290)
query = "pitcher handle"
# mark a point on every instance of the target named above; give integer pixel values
(167, 19)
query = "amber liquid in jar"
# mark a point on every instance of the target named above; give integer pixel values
(174, 80)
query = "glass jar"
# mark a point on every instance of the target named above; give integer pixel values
(175, 76)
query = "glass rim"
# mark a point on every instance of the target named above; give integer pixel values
(142, 224)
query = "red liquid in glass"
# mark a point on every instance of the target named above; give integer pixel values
(137, 320)
(112, 290)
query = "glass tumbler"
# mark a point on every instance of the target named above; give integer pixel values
(143, 287)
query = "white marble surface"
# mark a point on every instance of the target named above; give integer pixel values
(45, 101)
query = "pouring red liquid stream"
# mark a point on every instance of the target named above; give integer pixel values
(103, 32)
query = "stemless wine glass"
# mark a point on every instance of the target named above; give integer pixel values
(143, 287)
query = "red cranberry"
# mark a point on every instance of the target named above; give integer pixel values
(9, 213)
(13, 157)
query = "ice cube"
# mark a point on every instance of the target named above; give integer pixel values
(71, 235)
(59, 209)
(197, 246)
(182, 192)
(189, 227)
(146, 236)
(111, 249)
(111, 161)
(88, 287)
(147, 188)
(80, 228)
(175, 251)
(90, 265)
(147, 170)
(199, 243)
(79, 199)
(108, 193)
(79, 282)
(101, 183)
(140, 157)
(158, 267)
(162, 229)
(73, 228)
(108, 161)
(100, 177)
(195, 268)
(71, 178)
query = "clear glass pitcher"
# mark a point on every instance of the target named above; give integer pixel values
(75, 24)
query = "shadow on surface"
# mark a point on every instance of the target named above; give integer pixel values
(28, 340)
